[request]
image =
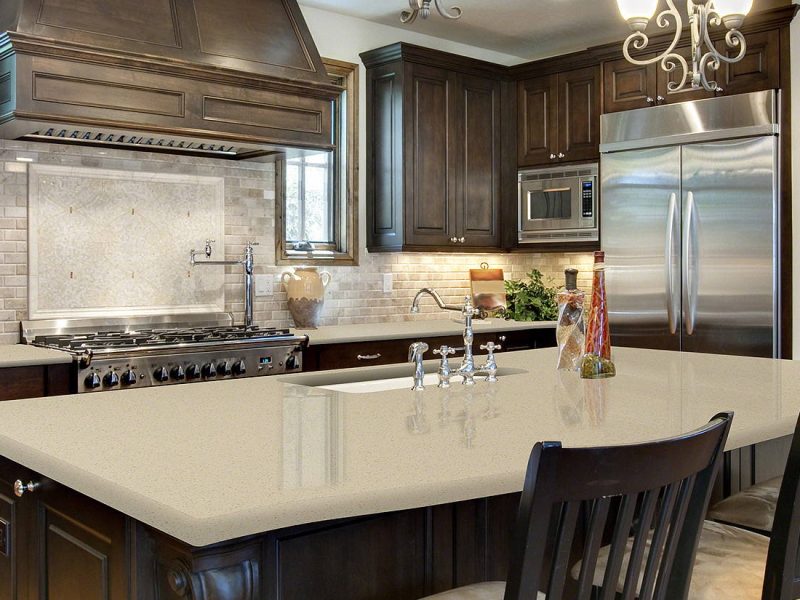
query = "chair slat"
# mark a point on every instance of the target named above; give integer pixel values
(619, 543)
(592, 545)
(678, 519)
(563, 550)
(649, 502)
(659, 539)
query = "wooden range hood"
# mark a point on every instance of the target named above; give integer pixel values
(233, 79)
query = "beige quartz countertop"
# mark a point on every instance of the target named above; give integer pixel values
(339, 334)
(21, 355)
(207, 462)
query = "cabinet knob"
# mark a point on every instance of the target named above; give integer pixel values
(719, 91)
(461, 240)
(501, 338)
(660, 99)
(650, 100)
(561, 155)
(453, 240)
(20, 489)
(552, 157)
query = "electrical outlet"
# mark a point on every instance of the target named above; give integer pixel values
(388, 284)
(264, 286)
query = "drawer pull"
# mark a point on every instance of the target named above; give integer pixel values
(20, 489)
(369, 356)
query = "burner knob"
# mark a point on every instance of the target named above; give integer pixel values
(193, 371)
(160, 374)
(209, 370)
(224, 368)
(129, 377)
(177, 373)
(239, 367)
(92, 380)
(111, 379)
(292, 363)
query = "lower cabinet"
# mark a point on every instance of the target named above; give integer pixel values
(56, 544)
(34, 381)
(386, 352)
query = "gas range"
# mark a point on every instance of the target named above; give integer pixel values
(119, 353)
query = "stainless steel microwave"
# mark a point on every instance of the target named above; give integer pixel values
(558, 205)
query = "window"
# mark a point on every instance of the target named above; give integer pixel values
(317, 205)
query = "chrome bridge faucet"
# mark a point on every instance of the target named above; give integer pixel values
(246, 262)
(467, 369)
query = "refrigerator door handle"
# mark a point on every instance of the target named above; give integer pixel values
(689, 265)
(670, 266)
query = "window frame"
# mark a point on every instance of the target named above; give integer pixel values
(345, 210)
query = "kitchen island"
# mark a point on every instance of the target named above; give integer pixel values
(279, 488)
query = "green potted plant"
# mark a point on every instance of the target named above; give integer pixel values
(531, 300)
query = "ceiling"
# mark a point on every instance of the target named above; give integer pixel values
(525, 28)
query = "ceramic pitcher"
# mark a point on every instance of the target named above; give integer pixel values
(306, 289)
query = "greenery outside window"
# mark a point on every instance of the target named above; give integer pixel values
(316, 197)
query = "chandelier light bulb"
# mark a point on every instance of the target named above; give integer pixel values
(637, 12)
(733, 12)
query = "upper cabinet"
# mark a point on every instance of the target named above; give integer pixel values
(628, 86)
(559, 118)
(434, 145)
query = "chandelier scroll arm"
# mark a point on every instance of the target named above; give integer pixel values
(454, 12)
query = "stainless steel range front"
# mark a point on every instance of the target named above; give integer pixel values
(112, 354)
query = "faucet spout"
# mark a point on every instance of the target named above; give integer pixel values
(437, 298)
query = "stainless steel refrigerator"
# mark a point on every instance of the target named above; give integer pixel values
(689, 224)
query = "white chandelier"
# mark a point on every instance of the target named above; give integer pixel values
(422, 8)
(702, 15)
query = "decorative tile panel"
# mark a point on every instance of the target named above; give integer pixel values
(106, 242)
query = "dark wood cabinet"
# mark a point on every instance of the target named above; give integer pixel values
(559, 118)
(430, 164)
(434, 151)
(538, 120)
(627, 86)
(758, 70)
(386, 352)
(34, 381)
(58, 544)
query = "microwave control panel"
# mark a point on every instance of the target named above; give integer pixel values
(587, 195)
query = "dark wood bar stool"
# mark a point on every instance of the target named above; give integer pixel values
(737, 564)
(662, 486)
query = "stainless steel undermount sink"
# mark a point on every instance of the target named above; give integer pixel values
(380, 379)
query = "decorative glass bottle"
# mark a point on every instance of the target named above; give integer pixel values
(570, 327)
(596, 362)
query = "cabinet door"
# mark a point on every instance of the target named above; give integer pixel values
(78, 547)
(664, 96)
(430, 163)
(537, 121)
(758, 70)
(579, 114)
(477, 144)
(14, 517)
(627, 86)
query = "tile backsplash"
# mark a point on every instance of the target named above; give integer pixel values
(356, 294)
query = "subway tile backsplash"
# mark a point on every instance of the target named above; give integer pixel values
(355, 295)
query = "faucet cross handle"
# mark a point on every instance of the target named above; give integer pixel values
(444, 368)
(490, 368)
(490, 347)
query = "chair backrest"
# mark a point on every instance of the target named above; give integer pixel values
(658, 490)
(782, 575)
